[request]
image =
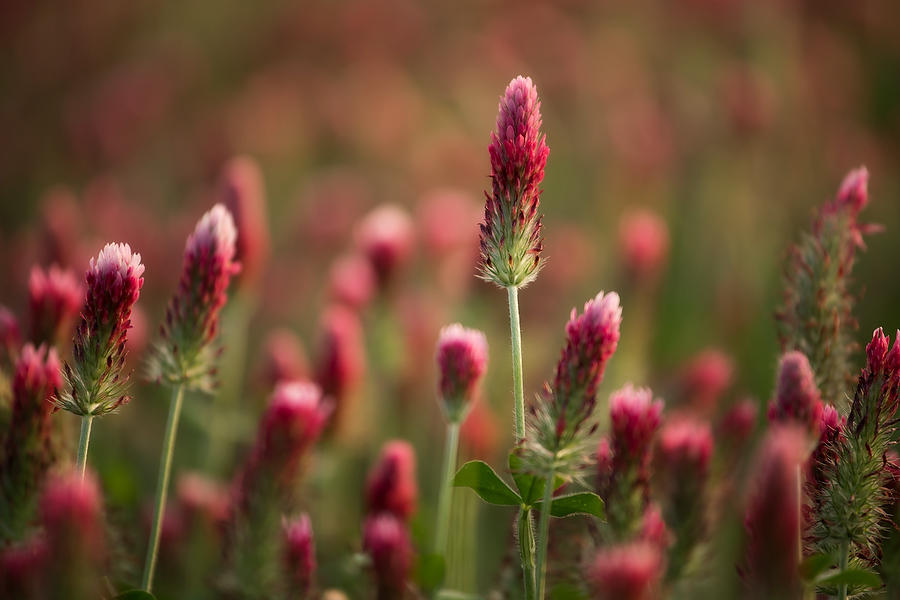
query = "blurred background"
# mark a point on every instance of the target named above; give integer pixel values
(729, 119)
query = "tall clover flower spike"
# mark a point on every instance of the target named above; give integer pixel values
(462, 361)
(816, 317)
(185, 355)
(96, 381)
(511, 241)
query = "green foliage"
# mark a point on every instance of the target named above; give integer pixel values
(482, 479)
(580, 503)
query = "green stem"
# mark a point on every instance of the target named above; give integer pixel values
(543, 536)
(842, 564)
(446, 493)
(526, 550)
(515, 331)
(83, 442)
(162, 486)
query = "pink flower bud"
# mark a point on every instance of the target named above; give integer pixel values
(299, 553)
(591, 339)
(876, 350)
(10, 335)
(643, 243)
(706, 377)
(391, 486)
(340, 360)
(242, 191)
(283, 358)
(772, 519)
(626, 572)
(352, 281)
(54, 299)
(96, 382)
(634, 416)
(854, 190)
(797, 398)
(462, 361)
(386, 237)
(511, 241)
(386, 541)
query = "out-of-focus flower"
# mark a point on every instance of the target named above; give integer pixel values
(54, 299)
(797, 398)
(462, 356)
(386, 541)
(391, 486)
(299, 555)
(773, 519)
(28, 450)
(738, 422)
(479, 433)
(629, 571)
(242, 191)
(705, 378)
(351, 281)
(200, 496)
(22, 567)
(386, 237)
(96, 381)
(447, 219)
(62, 224)
(283, 358)
(290, 426)
(185, 355)
(340, 359)
(625, 457)
(10, 335)
(511, 241)
(653, 528)
(643, 244)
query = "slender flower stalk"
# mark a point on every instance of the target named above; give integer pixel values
(185, 356)
(511, 241)
(96, 381)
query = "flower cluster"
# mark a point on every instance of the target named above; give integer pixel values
(185, 354)
(96, 381)
(511, 241)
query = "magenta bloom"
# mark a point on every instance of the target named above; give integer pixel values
(462, 361)
(772, 518)
(853, 192)
(634, 417)
(97, 383)
(653, 528)
(185, 355)
(591, 339)
(391, 486)
(706, 377)
(386, 541)
(626, 572)
(352, 281)
(290, 426)
(511, 241)
(643, 244)
(10, 335)
(242, 191)
(684, 450)
(878, 391)
(386, 237)
(797, 397)
(299, 554)
(71, 512)
(738, 423)
(54, 300)
(340, 361)
(22, 568)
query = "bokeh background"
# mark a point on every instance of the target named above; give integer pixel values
(731, 119)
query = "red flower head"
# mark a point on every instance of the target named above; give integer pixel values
(97, 383)
(299, 553)
(386, 237)
(54, 299)
(242, 192)
(511, 241)
(643, 243)
(797, 398)
(391, 486)
(386, 541)
(634, 416)
(185, 356)
(462, 361)
(626, 572)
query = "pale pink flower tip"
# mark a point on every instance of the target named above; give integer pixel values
(643, 242)
(386, 236)
(391, 486)
(299, 552)
(118, 258)
(626, 572)
(635, 417)
(797, 397)
(215, 233)
(462, 360)
(854, 190)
